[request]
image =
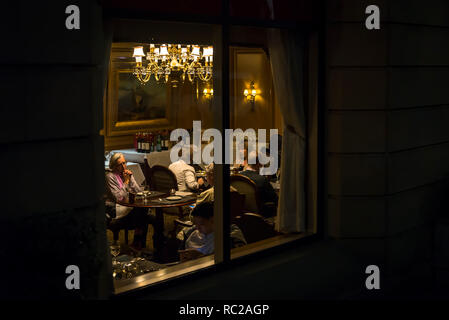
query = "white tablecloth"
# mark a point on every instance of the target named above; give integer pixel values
(161, 158)
(135, 169)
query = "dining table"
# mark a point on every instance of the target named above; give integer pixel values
(159, 201)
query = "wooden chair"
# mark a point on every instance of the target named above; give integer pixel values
(247, 187)
(116, 224)
(254, 227)
(162, 179)
(237, 204)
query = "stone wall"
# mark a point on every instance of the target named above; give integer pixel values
(387, 135)
(53, 168)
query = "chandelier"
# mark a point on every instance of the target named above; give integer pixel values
(166, 60)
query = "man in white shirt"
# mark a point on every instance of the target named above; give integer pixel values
(185, 175)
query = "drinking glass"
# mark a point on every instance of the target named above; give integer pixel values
(172, 192)
(146, 190)
(115, 251)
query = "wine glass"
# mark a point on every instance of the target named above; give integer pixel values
(115, 251)
(146, 190)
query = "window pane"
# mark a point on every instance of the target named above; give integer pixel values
(269, 104)
(157, 89)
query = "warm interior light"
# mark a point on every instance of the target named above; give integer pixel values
(251, 94)
(207, 52)
(194, 61)
(164, 51)
(138, 52)
(196, 51)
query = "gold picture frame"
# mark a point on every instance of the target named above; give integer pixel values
(133, 107)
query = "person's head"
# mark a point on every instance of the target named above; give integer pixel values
(210, 173)
(117, 163)
(203, 217)
(253, 162)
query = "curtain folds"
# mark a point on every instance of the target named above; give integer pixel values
(286, 59)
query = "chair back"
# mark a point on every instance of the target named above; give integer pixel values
(247, 187)
(254, 227)
(237, 204)
(162, 179)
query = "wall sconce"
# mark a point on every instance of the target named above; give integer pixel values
(251, 95)
(208, 93)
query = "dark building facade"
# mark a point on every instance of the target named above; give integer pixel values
(383, 105)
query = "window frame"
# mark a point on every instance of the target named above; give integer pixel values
(221, 260)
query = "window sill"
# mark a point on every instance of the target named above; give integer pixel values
(190, 267)
(170, 272)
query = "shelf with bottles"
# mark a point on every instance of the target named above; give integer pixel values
(152, 141)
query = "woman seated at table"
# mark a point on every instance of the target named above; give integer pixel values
(185, 173)
(198, 241)
(120, 181)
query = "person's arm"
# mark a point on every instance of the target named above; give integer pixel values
(191, 180)
(114, 187)
(133, 186)
(237, 238)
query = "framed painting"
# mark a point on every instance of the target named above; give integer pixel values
(131, 105)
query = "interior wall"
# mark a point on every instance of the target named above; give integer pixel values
(251, 64)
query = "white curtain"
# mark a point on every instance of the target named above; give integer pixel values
(286, 59)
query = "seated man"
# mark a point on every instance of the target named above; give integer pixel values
(264, 187)
(120, 182)
(198, 241)
(185, 174)
(208, 195)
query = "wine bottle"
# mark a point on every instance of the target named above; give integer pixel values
(139, 142)
(158, 142)
(166, 138)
